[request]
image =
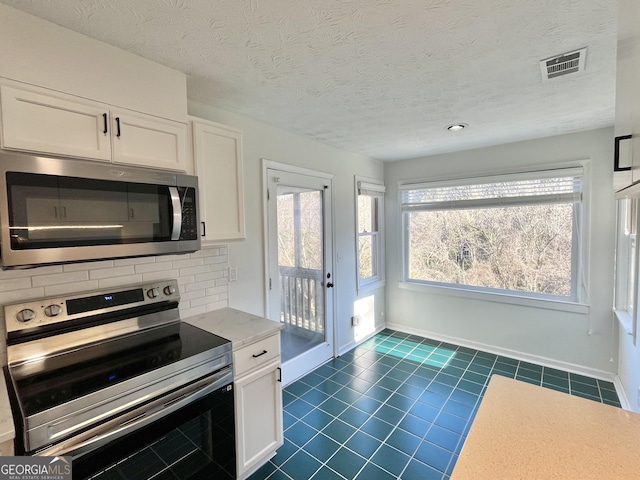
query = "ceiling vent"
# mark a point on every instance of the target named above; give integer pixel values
(572, 62)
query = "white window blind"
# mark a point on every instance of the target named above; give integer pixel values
(555, 186)
(371, 189)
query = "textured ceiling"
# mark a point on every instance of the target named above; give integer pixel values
(377, 77)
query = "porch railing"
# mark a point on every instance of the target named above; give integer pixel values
(302, 298)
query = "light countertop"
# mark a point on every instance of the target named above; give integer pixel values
(526, 432)
(240, 327)
(7, 430)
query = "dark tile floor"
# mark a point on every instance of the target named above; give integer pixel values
(397, 406)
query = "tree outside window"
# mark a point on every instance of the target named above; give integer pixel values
(520, 234)
(369, 232)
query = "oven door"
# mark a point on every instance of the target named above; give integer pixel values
(188, 434)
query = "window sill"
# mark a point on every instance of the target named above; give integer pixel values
(625, 320)
(368, 287)
(548, 304)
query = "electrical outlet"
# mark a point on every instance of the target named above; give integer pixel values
(233, 274)
(355, 321)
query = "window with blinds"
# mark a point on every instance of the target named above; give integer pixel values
(370, 259)
(515, 233)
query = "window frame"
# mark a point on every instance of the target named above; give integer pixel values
(378, 254)
(626, 278)
(576, 302)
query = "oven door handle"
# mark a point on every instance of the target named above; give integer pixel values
(176, 207)
(100, 435)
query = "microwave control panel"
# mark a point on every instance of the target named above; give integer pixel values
(189, 230)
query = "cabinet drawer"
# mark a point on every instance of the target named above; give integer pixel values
(256, 354)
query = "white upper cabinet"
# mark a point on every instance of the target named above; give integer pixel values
(148, 141)
(39, 121)
(33, 122)
(217, 153)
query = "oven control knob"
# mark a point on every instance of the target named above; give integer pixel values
(169, 290)
(25, 315)
(53, 310)
(153, 292)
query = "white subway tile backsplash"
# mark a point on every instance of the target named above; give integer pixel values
(29, 272)
(217, 290)
(70, 287)
(16, 296)
(120, 281)
(153, 267)
(199, 285)
(14, 283)
(194, 270)
(219, 267)
(75, 267)
(59, 278)
(185, 279)
(160, 275)
(134, 261)
(187, 296)
(201, 278)
(217, 259)
(191, 262)
(111, 272)
(196, 302)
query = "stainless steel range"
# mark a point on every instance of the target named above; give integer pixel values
(115, 380)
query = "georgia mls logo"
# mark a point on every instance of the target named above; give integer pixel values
(35, 468)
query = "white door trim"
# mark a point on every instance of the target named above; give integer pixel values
(330, 259)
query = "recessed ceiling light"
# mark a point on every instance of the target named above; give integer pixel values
(456, 127)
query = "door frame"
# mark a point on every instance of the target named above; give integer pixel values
(330, 266)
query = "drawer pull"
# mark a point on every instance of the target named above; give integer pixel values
(259, 354)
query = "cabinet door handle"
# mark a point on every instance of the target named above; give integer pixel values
(104, 117)
(616, 154)
(259, 354)
(280, 374)
(204, 229)
(118, 127)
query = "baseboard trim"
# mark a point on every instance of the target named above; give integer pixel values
(351, 345)
(544, 361)
(622, 394)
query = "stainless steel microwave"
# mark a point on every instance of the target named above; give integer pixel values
(60, 210)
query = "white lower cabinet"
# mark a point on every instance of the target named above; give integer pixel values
(258, 399)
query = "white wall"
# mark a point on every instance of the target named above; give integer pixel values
(264, 141)
(577, 342)
(41, 53)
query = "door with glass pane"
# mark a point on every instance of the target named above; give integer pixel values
(300, 278)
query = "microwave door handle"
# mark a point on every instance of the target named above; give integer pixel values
(177, 213)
